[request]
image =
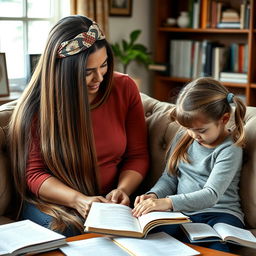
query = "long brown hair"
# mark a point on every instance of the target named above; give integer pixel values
(208, 97)
(57, 98)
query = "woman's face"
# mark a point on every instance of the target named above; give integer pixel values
(96, 68)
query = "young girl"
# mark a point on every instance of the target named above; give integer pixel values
(204, 161)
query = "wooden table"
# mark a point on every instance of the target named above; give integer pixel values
(204, 251)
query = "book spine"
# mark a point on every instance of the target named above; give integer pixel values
(216, 62)
(242, 16)
(204, 14)
(208, 61)
(214, 14)
(204, 44)
(188, 56)
(196, 15)
(240, 58)
(191, 11)
(247, 19)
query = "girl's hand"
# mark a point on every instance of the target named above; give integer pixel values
(141, 198)
(152, 204)
(118, 196)
(83, 203)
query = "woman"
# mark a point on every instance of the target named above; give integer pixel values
(78, 133)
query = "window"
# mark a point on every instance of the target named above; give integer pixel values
(24, 27)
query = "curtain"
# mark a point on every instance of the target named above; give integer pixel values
(97, 10)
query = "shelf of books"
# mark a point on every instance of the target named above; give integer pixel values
(217, 40)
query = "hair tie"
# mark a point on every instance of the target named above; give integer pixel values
(230, 97)
(81, 42)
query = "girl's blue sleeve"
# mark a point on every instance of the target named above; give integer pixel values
(166, 185)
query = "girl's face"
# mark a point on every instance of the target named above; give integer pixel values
(210, 133)
(96, 68)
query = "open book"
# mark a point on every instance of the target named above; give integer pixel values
(201, 232)
(155, 244)
(117, 219)
(28, 237)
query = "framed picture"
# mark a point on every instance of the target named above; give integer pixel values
(33, 60)
(4, 82)
(120, 7)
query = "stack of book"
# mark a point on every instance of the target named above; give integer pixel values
(229, 19)
(233, 77)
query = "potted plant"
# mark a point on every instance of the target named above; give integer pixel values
(127, 51)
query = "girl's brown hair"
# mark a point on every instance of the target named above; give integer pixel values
(57, 99)
(208, 97)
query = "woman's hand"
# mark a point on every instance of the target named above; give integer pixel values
(54, 191)
(118, 196)
(83, 203)
(152, 204)
(141, 198)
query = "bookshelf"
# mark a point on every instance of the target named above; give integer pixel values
(239, 42)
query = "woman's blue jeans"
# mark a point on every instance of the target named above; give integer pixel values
(31, 212)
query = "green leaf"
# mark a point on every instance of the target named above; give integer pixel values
(125, 45)
(140, 47)
(127, 51)
(134, 36)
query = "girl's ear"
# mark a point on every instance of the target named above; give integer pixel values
(225, 118)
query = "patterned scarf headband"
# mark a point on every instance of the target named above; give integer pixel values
(81, 42)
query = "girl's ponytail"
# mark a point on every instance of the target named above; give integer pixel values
(239, 114)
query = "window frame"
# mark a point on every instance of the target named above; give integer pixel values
(56, 12)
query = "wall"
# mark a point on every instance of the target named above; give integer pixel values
(120, 27)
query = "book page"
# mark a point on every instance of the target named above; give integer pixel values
(239, 235)
(197, 231)
(97, 246)
(112, 216)
(155, 244)
(3, 250)
(151, 216)
(25, 233)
